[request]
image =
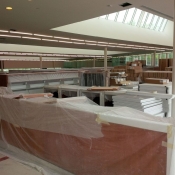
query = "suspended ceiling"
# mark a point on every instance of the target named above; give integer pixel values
(40, 16)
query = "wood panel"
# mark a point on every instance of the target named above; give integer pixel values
(122, 150)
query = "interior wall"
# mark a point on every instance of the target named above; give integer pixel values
(116, 30)
(31, 64)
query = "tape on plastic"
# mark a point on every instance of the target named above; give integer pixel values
(169, 131)
(168, 145)
(16, 126)
(100, 121)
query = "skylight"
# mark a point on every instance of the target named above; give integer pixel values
(137, 17)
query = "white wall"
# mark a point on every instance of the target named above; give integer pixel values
(114, 30)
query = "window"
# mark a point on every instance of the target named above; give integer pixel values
(112, 16)
(158, 25)
(129, 15)
(155, 18)
(121, 16)
(137, 17)
(148, 22)
(157, 60)
(103, 17)
(148, 60)
(144, 19)
(163, 25)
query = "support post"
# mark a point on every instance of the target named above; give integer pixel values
(54, 64)
(1, 65)
(166, 55)
(41, 62)
(105, 59)
(154, 59)
(94, 62)
(173, 72)
(106, 67)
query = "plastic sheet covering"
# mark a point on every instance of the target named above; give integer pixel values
(5, 90)
(15, 78)
(74, 136)
(92, 78)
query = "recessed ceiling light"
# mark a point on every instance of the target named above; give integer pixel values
(8, 8)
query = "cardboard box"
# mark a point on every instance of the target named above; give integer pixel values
(156, 81)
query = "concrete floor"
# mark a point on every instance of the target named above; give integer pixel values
(12, 167)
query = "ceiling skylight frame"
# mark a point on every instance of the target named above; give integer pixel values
(133, 16)
(151, 23)
(139, 18)
(125, 16)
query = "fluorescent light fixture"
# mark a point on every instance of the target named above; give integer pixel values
(50, 40)
(113, 43)
(77, 39)
(23, 33)
(13, 36)
(44, 35)
(61, 37)
(4, 31)
(31, 38)
(65, 42)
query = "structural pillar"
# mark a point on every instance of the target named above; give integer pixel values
(154, 59)
(54, 64)
(173, 73)
(94, 62)
(106, 67)
(105, 59)
(166, 55)
(1, 65)
(41, 62)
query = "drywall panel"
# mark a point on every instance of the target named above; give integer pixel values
(42, 49)
(114, 30)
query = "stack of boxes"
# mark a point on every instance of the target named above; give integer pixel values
(119, 69)
(134, 71)
(157, 74)
(169, 68)
(164, 63)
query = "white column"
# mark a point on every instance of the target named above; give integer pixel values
(41, 62)
(105, 59)
(173, 73)
(166, 55)
(94, 62)
(154, 59)
(1, 65)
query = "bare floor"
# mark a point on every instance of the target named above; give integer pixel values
(12, 167)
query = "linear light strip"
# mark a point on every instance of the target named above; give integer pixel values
(46, 55)
(31, 38)
(13, 36)
(85, 42)
(23, 33)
